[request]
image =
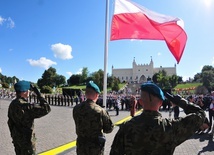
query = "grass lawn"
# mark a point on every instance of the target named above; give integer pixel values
(121, 85)
(187, 85)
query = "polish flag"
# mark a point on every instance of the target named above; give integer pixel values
(132, 21)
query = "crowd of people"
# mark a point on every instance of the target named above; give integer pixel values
(7, 93)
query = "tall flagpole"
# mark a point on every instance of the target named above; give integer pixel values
(105, 56)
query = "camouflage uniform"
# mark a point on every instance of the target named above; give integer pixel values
(21, 116)
(150, 134)
(91, 121)
(133, 105)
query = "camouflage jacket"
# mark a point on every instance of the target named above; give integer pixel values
(91, 121)
(21, 115)
(150, 134)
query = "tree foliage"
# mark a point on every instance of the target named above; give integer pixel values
(165, 81)
(50, 78)
(98, 78)
(8, 80)
(115, 86)
(74, 79)
(46, 90)
(84, 75)
(206, 77)
(59, 80)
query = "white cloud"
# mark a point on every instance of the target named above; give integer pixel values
(10, 23)
(0, 70)
(1, 20)
(69, 73)
(78, 72)
(42, 62)
(62, 51)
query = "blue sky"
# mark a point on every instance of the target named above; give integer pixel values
(70, 34)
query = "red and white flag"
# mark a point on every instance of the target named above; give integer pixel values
(132, 21)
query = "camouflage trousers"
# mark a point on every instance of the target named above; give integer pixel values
(89, 149)
(25, 150)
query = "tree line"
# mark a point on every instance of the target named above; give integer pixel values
(51, 79)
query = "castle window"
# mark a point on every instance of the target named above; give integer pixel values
(146, 69)
(122, 77)
(138, 70)
(127, 78)
(131, 78)
(136, 77)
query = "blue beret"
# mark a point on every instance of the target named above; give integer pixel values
(22, 86)
(92, 85)
(153, 89)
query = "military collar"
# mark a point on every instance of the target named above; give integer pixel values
(151, 113)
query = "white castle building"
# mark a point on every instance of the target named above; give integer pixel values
(140, 73)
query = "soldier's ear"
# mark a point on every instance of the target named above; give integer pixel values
(97, 94)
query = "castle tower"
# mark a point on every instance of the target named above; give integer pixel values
(151, 63)
(134, 63)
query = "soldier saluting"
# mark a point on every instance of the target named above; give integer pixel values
(21, 115)
(91, 122)
(149, 133)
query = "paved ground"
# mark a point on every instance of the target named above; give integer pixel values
(57, 128)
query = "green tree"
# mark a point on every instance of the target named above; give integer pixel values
(48, 78)
(164, 81)
(173, 80)
(180, 79)
(197, 77)
(7, 80)
(208, 80)
(47, 90)
(115, 86)
(74, 80)
(60, 80)
(84, 75)
(207, 68)
(110, 80)
(161, 79)
(207, 77)
(155, 78)
(98, 78)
